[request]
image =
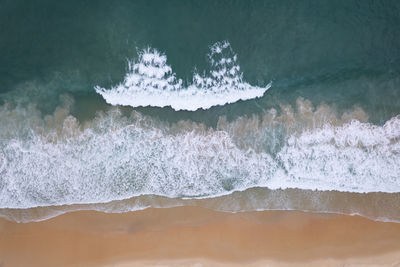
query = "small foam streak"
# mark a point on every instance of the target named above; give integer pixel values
(151, 82)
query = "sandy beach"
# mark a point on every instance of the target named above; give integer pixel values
(192, 236)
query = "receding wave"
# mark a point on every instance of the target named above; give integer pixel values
(151, 82)
(375, 206)
(57, 161)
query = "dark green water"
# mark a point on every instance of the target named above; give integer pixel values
(341, 52)
(345, 54)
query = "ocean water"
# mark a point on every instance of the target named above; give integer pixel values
(230, 105)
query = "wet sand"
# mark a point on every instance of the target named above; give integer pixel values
(186, 236)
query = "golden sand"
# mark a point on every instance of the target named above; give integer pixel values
(193, 236)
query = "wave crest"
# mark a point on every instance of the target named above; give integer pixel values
(150, 81)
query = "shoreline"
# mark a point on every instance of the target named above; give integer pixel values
(183, 236)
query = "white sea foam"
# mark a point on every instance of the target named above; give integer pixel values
(55, 161)
(355, 157)
(151, 82)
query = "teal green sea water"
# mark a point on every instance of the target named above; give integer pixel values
(233, 105)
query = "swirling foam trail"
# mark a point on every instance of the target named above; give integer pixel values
(151, 82)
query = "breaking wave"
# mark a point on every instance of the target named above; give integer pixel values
(56, 161)
(151, 82)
